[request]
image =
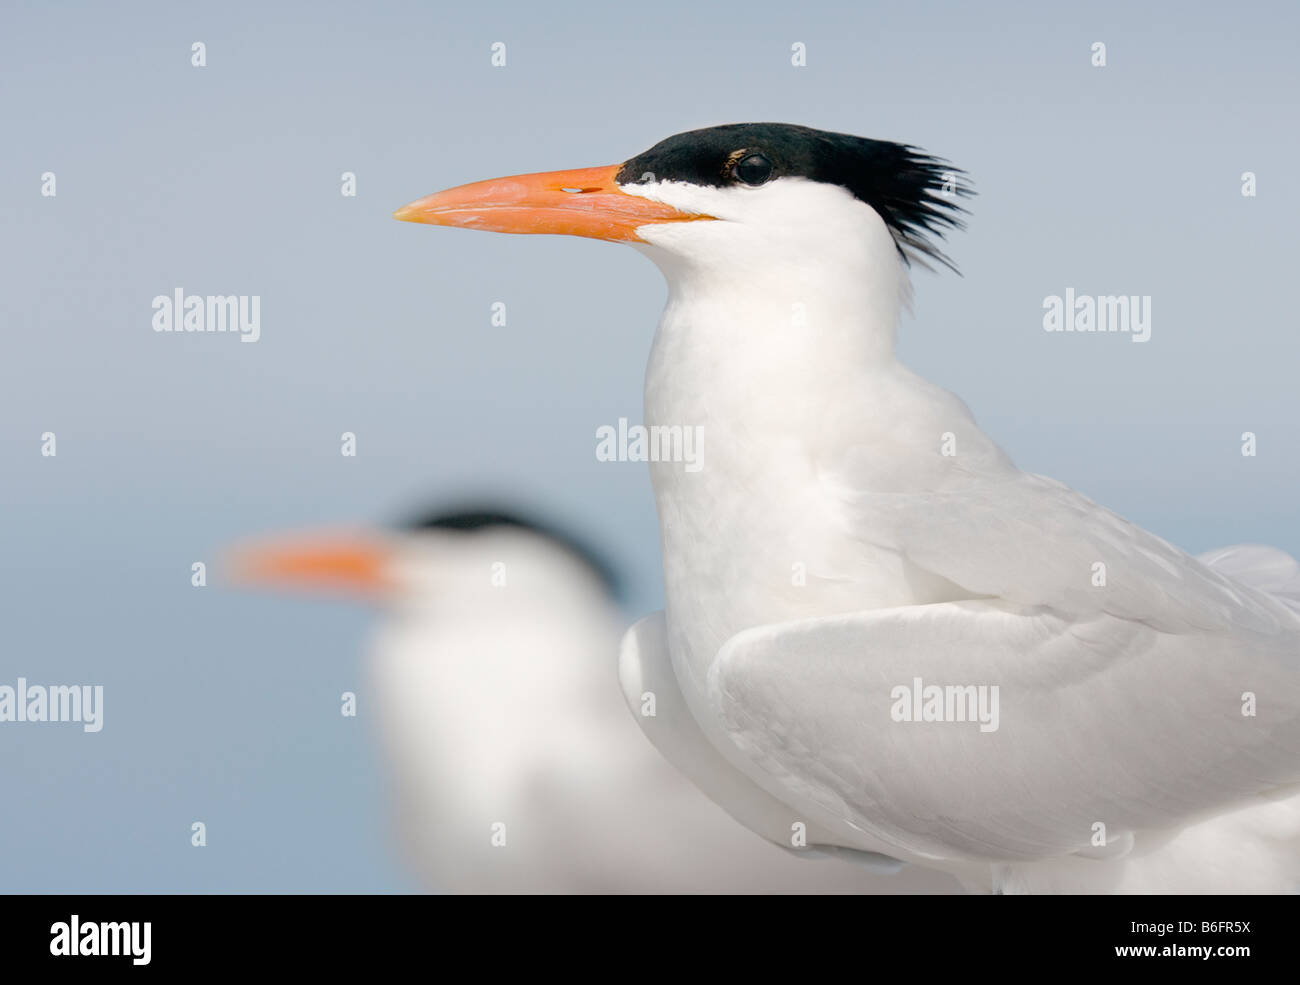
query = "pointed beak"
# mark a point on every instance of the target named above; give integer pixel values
(352, 564)
(587, 202)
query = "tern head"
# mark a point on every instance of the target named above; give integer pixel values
(730, 194)
(462, 564)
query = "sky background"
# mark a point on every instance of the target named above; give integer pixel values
(222, 705)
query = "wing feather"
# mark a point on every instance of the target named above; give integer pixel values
(1101, 719)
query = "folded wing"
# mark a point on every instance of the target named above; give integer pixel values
(1133, 695)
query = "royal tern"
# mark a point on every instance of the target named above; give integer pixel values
(514, 765)
(1147, 735)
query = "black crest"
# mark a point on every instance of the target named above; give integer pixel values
(915, 194)
(482, 518)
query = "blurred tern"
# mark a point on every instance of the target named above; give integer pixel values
(1149, 730)
(514, 764)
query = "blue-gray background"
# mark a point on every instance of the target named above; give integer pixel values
(223, 706)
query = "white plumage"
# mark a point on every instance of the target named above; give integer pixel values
(513, 764)
(846, 536)
(1125, 700)
(496, 677)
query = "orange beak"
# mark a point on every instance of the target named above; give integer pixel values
(351, 564)
(587, 202)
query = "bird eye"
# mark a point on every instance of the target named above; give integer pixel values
(753, 169)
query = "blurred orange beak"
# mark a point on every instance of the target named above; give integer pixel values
(350, 564)
(587, 202)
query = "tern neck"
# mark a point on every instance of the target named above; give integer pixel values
(791, 328)
(765, 367)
